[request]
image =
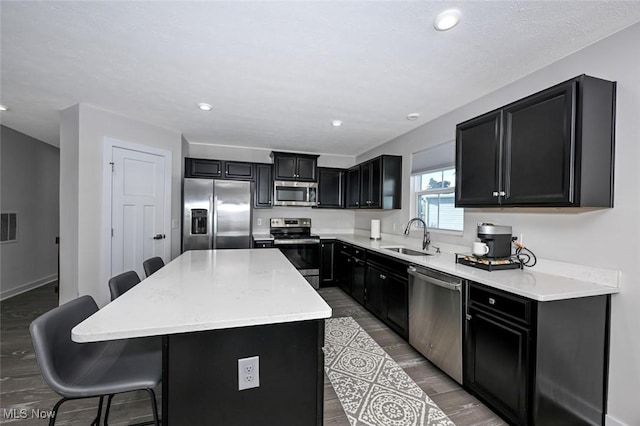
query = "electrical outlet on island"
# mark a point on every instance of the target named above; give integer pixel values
(248, 373)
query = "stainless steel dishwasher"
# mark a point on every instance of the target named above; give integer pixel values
(435, 318)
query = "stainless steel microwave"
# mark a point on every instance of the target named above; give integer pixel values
(288, 193)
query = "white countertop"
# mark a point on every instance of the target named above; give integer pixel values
(208, 290)
(528, 283)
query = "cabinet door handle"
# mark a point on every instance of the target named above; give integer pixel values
(495, 193)
(492, 301)
(383, 277)
(502, 193)
(468, 317)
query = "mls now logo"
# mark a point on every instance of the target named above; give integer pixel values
(24, 413)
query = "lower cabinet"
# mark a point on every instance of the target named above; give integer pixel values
(327, 262)
(537, 363)
(387, 291)
(262, 243)
(378, 282)
(376, 278)
(358, 275)
(343, 266)
(397, 306)
(498, 363)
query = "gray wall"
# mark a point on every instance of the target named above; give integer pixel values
(83, 129)
(29, 174)
(604, 238)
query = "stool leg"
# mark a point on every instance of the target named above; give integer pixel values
(154, 406)
(106, 412)
(96, 421)
(52, 419)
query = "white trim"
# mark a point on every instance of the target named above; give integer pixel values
(6, 294)
(109, 144)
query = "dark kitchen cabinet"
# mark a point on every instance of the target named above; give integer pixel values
(263, 243)
(331, 182)
(295, 167)
(202, 168)
(388, 291)
(218, 169)
(343, 266)
(537, 363)
(554, 148)
(478, 160)
(498, 360)
(358, 274)
(239, 170)
(376, 183)
(396, 312)
(370, 183)
(327, 262)
(376, 279)
(353, 188)
(263, 195)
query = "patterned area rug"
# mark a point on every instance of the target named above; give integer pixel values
(372, 388)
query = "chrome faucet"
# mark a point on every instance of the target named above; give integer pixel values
(425, 237)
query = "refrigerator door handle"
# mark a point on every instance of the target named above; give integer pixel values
(213, 204)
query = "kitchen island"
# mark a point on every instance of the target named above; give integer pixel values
(214, 307)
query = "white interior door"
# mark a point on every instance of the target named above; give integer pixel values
(137, 209)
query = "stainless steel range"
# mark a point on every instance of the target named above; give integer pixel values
(294, 239)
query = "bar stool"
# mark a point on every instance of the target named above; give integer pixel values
(122, 283)
(152, 265)
(88, 370)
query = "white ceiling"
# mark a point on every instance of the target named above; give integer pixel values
(277, 73)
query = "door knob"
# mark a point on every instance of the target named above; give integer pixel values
(159, 237)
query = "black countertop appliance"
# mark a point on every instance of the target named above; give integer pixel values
(497, 237)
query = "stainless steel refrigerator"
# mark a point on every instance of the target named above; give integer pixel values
(217, 214)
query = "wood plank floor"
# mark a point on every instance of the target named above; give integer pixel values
(22, 387)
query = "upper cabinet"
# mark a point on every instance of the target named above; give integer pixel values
(353, 188)
(201, 168)
(263, 194)
(552, 149)
(296, 167)
(376, 183)
(218, 169)
(330, 188)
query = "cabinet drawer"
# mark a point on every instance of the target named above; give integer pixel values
(500, 303)
(345, 248)
(359, 253)
(263, 244)
(391, 264)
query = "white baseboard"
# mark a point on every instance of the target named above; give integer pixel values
(6, 294)
(611, 421)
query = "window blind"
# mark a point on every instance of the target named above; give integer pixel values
(437, 157)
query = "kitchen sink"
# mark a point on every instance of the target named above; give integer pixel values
(407, 251)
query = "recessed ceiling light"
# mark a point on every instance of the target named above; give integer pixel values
(3, 108)
(336, 123)
(205, 107)
(447, 20)
(413, 116)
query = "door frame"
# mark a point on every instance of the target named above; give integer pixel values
(108, 145)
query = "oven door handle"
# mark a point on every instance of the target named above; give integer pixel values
(296, 241)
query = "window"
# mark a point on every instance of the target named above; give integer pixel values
(434, 196)
(8, 227)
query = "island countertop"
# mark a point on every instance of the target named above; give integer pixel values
(208, 290)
